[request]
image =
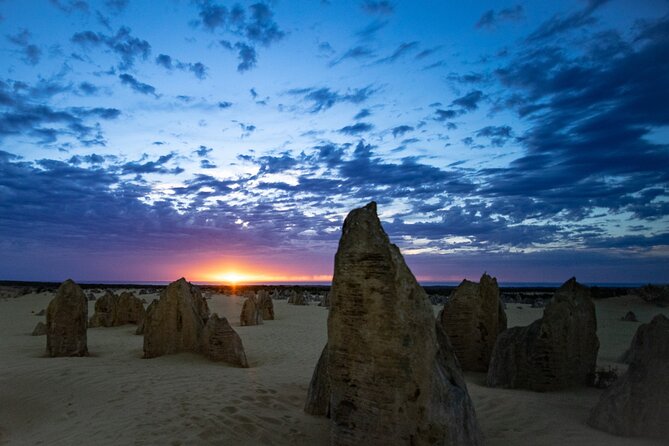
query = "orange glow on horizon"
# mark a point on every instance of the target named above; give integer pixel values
(237, 278)
(240, 272)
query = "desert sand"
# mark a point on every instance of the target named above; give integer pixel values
(115, 397)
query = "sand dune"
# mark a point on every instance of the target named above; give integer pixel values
(115, 397)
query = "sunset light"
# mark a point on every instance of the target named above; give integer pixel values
(232, 277)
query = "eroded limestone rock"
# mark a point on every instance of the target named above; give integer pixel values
(179, 322)
(393, 378)
(472, 317)
(175, 322)
(220, 342)
(638, 403)
(66, 322)
(266, 305)
(555, 352)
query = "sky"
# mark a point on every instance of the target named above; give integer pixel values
(148, 140)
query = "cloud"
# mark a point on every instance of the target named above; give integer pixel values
(559, 24)
(256, 25)
(262, 28)
(443, 115)
(203, 151)
(400, 51)
(470, 101)
(26, 115)
(401, 130)
(139, 87)
(70, 6)
(116, 5)
(127, 47)
(382, 7)
(197, 68)
(589, 116)
(247, 129)
(498, 135)
(206, 164)
(158, 166)
(247, 57)
(362, 114)
(491, 18)
(31, 53)
(357, 52)
(369, 31)
(88, 89)
(324, 98)
(356, 129)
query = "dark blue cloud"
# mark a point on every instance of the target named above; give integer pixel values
(70, 6)
(382, 7)
(31, 53)
(470, 101)
(224, 104)
(443, 115)
(23, 113)
(325, 98)
(261, 27)
(206, 164)
(197, 68)
(401, 50)
(401, 130)
(127, 47)
(559, 24)
(589, 116)
(247, 57)
(88, 89)
(203, 151)
(257, 27)
(136, 85)
(362, 114)
(157, 166)
(116, 5)
(498, 135)
(369, 32)
(356, 129)
(492, 18)
(357, 52)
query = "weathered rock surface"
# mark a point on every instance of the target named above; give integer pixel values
(179, 322)
(325, 300)
(40, 329)
(555, 352)
(473, 317)
(392, 379)
(266, 305)
(66, 322)
(129, 309)
(250, 314)
(638, 403)
(297, 299)
(175, 322)
(112, 310)
(104, 311)
(221, 343)
(318, 396)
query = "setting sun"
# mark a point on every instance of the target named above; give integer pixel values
(232, 277)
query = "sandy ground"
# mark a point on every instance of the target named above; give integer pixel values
(114, 397)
